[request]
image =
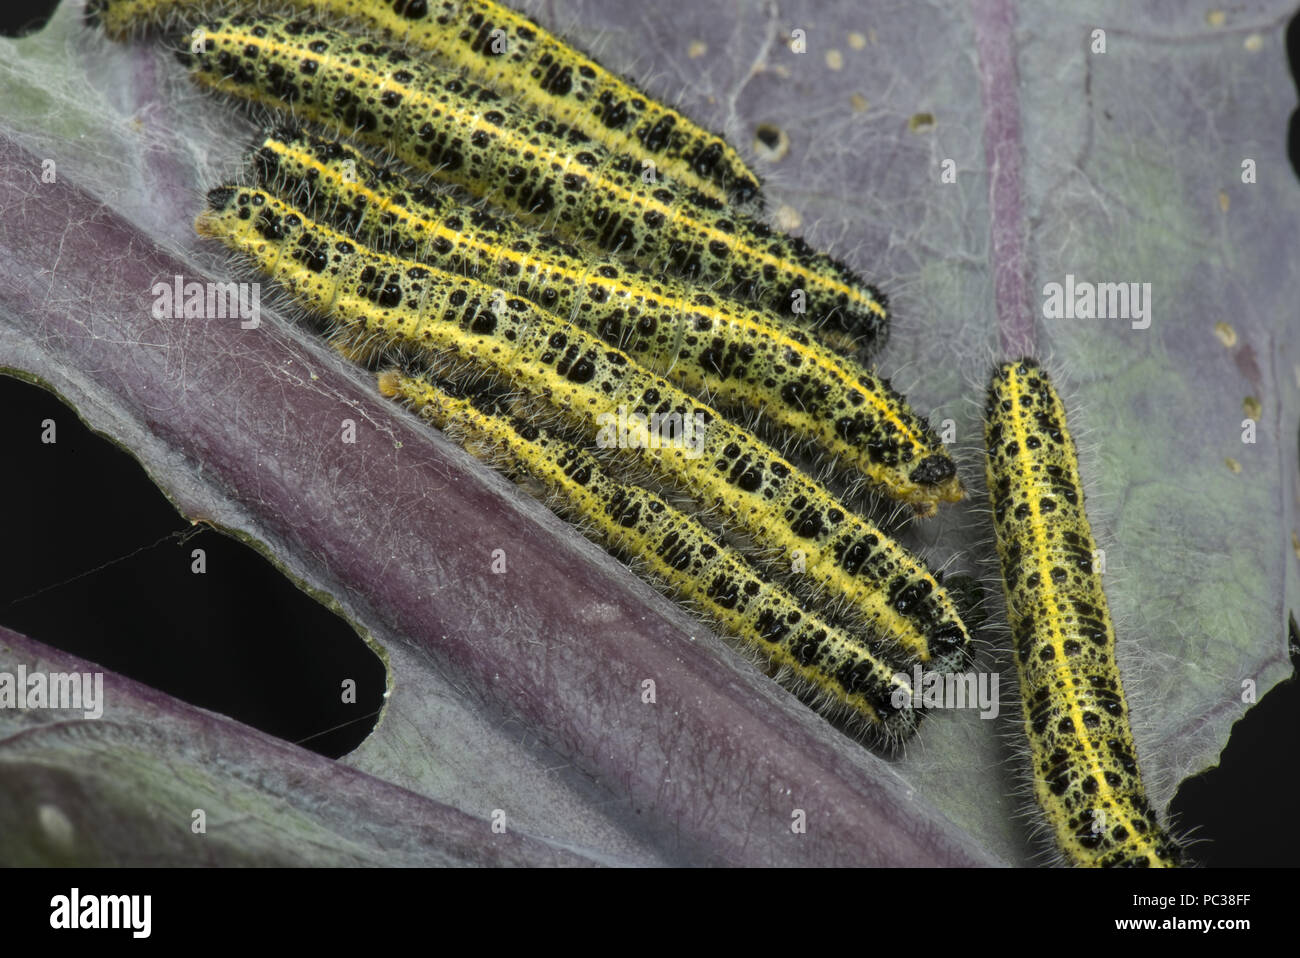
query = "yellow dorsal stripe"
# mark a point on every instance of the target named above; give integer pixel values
(1037, 540)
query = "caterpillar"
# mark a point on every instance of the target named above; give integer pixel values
(378, 297)
(828, 662)
(743, 358)
(1086, 776)
(507, 51)
(544, 171)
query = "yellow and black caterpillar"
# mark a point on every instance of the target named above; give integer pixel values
(745, 359)
(829, 663)
(532, 165)
(1085, 769)
(507, 51)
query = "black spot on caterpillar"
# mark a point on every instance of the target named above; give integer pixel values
(507, 51)
(545, 171)
(1085, 770)
(830, 665)
(743, 358)
(401, 302)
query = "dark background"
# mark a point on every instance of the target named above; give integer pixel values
(270, 656)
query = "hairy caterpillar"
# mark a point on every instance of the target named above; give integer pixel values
(508, 51)
(544, 171)
(1086, 776)
(380, 298)
(743, 358)
(829, 662)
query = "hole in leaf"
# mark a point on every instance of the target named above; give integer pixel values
(25, 16)
(1242, 809)
(96, 562)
